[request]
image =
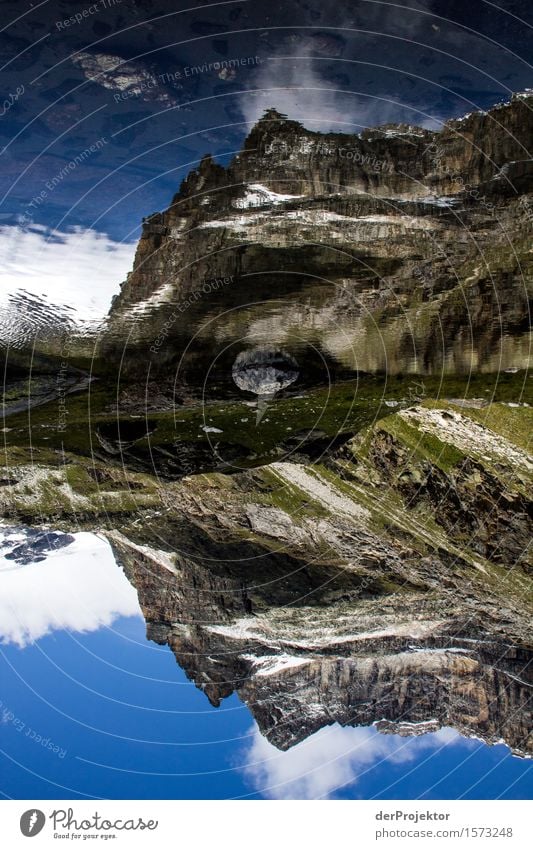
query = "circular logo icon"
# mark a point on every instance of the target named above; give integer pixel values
(32, 822)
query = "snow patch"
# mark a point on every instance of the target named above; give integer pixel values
(467, 435)
(317, 218)
(163, 558)
(259, 195)
(272, 664)
(443, 200)
(320, 490)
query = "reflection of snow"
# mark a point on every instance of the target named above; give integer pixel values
(333, 758)
(78, 587)
(264, 371)
(397, 133)
(444, 200)
(162, 295)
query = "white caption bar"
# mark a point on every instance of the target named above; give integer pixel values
(267, 824)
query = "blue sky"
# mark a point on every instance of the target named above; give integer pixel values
(79, 675)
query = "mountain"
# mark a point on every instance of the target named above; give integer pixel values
(389, 583)
(398, 249)
(309, 439)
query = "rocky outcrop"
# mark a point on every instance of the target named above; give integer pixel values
(332, 549)
(343, 592)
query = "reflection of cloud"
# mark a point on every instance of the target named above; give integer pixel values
(118, 75)
(81, 269)
(321, 78)
(78, 587)
(296, 86)
(331, 758)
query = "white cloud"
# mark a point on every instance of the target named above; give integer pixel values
(78, 587)
(332, 758)
(296, 86)
(73, 274)
(296, 77)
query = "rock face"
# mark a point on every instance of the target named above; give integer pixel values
(364, 247)
(344, 592)
(356, 550)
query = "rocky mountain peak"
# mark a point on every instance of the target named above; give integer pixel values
(319, 596)
(272, 114)
(387, 205)
(207, 175)
(271, 125)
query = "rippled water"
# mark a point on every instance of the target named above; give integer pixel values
(28, 319)
(350, 331)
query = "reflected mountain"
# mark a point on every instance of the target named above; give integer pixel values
(363, 557)
(409, 256)
(388, 584)
(307, 645)
(383, 261)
